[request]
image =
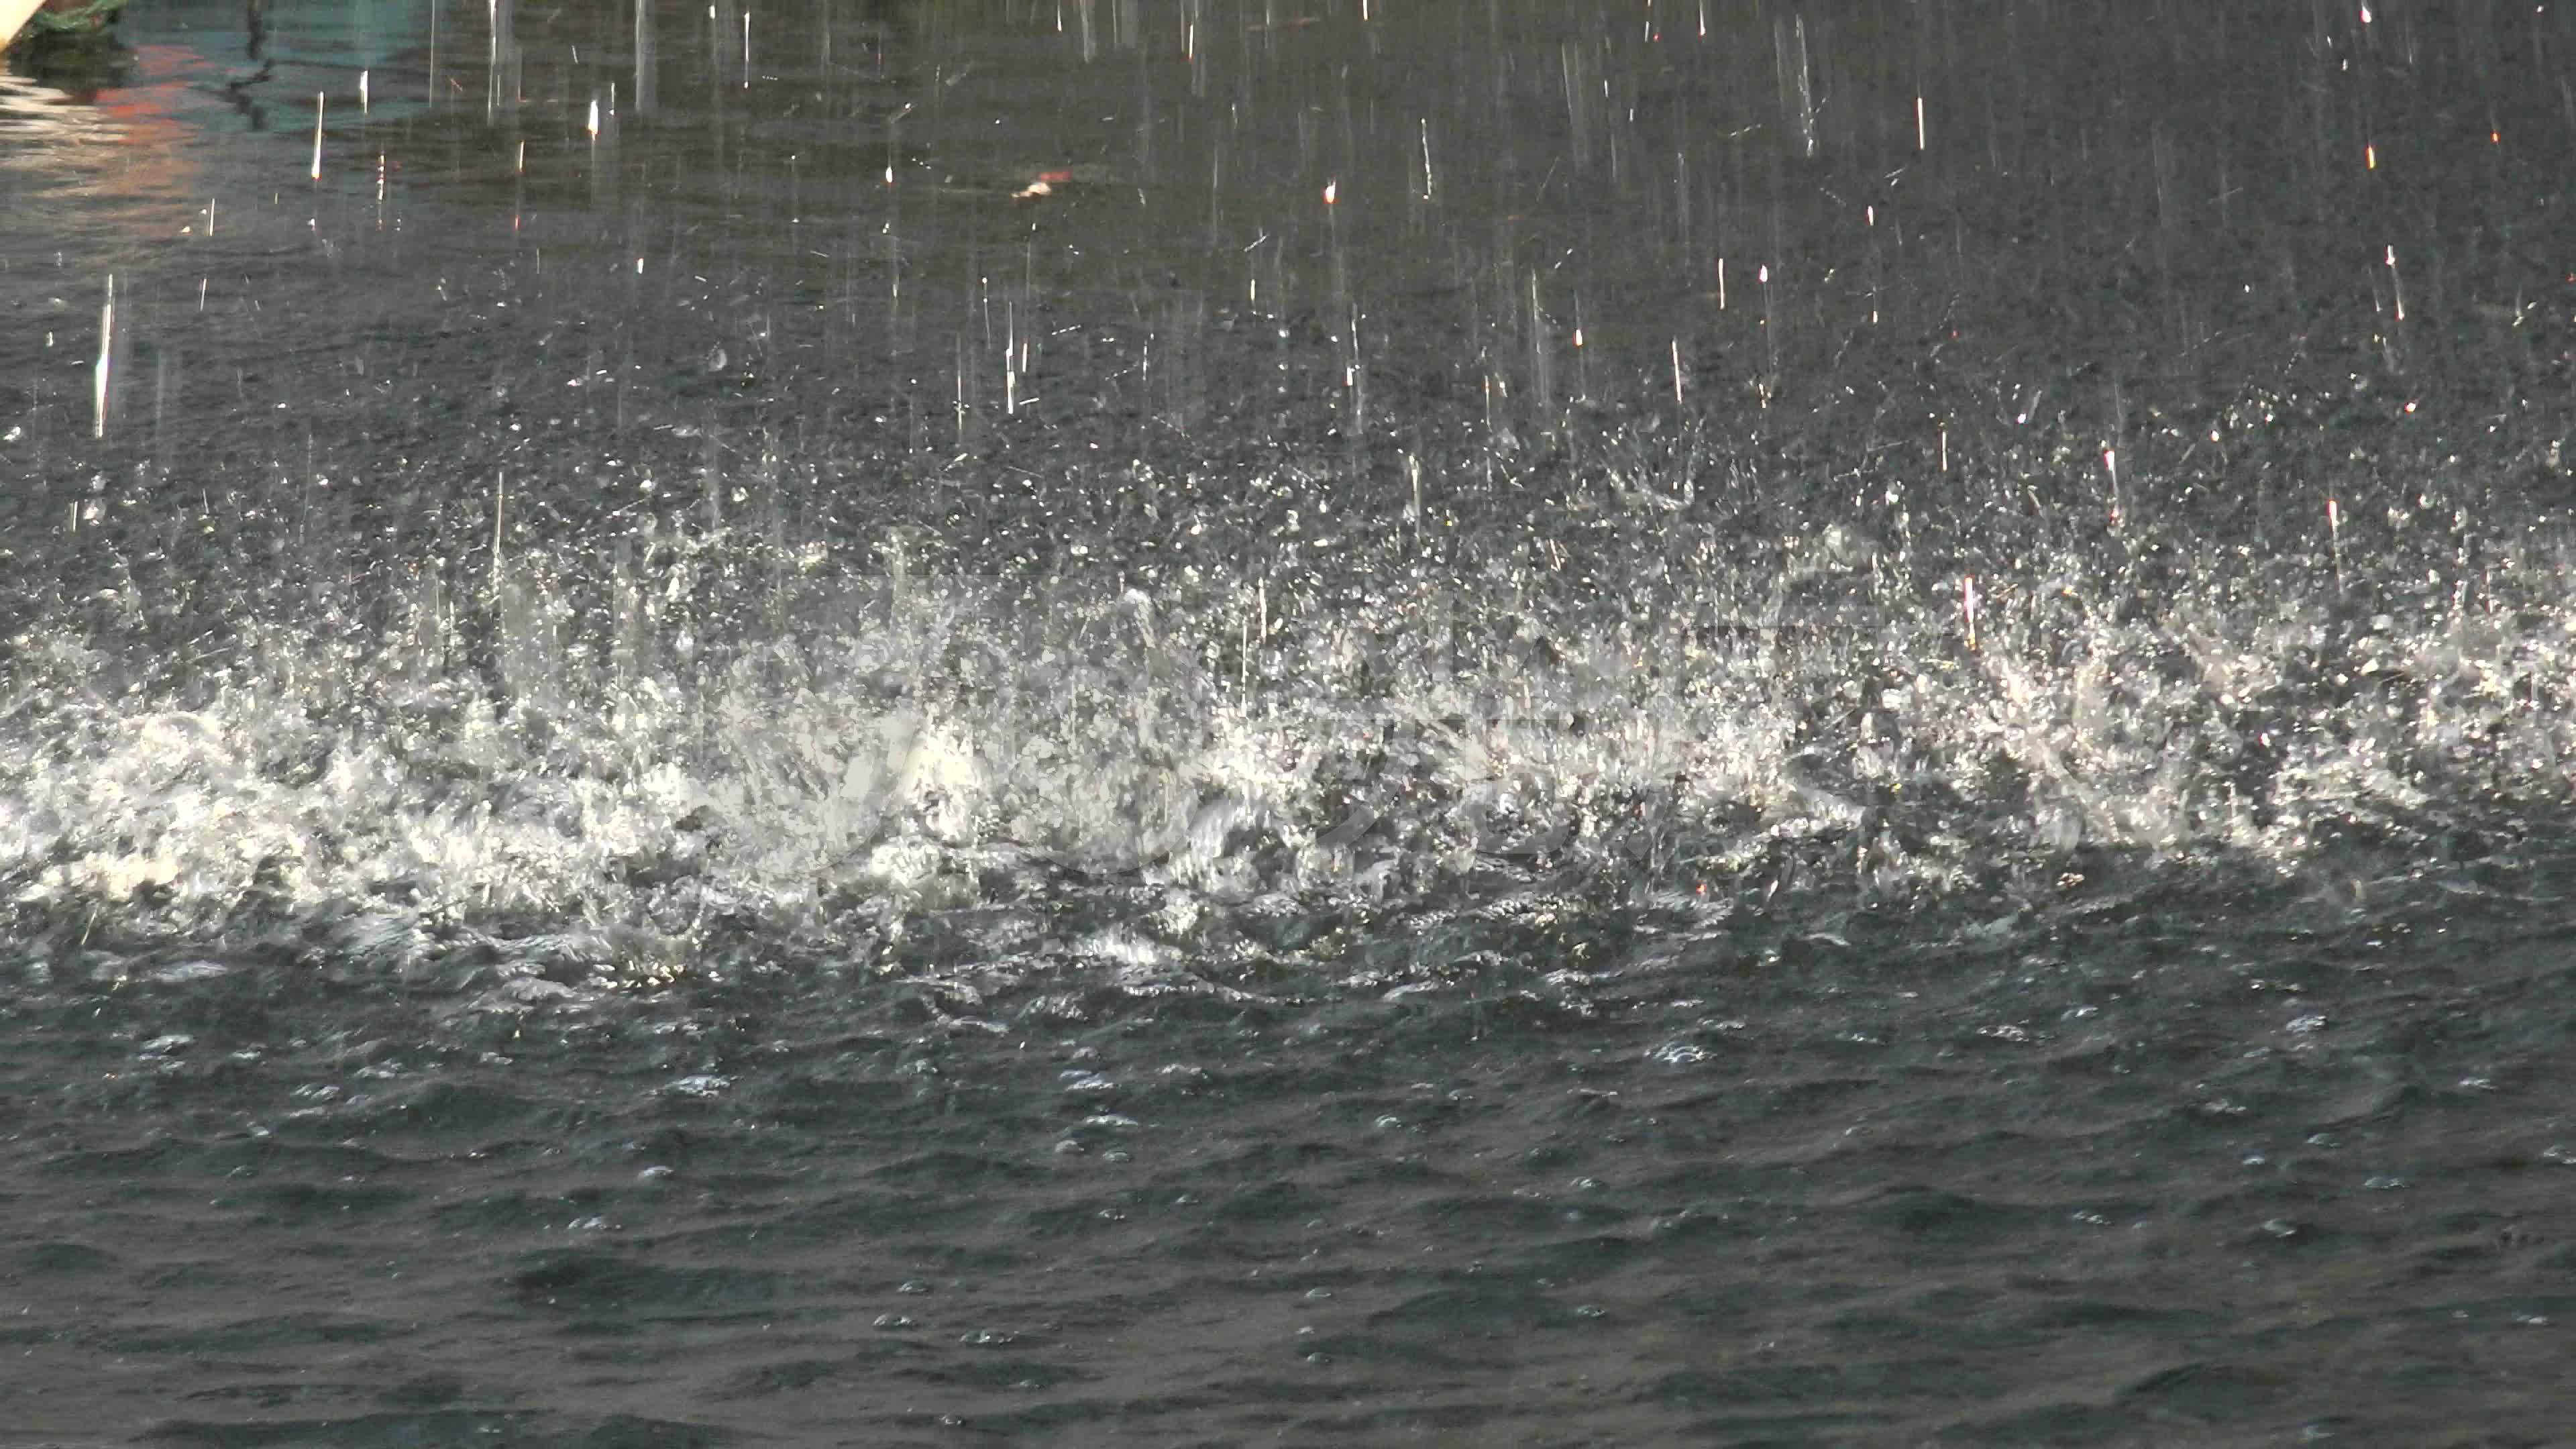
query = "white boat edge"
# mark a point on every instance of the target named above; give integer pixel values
(14, 15)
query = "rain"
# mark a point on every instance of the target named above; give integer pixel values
(1719, 721)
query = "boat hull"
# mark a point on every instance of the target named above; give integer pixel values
(22, 20)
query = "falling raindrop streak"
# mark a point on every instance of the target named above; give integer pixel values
(102, 370)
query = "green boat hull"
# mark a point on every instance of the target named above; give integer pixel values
(84, 17)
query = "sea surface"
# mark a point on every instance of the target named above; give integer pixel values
(1314, 722)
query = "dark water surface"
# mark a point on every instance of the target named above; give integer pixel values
(1230, 721)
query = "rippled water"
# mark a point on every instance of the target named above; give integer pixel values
(1525, 723)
